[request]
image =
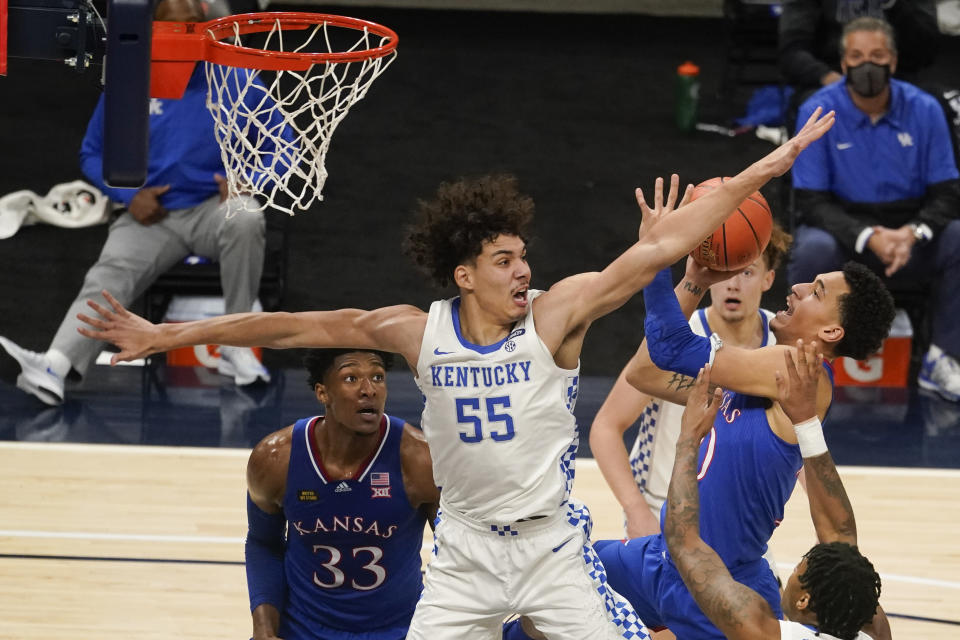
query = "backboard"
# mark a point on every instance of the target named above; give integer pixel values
(71, 32)
(126, 98)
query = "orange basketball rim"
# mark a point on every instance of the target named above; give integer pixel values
(3, 37)
(313, 67)
(177, 46)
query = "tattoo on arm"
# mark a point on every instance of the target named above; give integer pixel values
(692, 288)
(729, 605)
(683, 496)
(835, 506)
(680, 382)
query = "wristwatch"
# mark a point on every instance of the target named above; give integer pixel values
(922, 233)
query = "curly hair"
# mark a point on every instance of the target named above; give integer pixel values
(319, 361)
(866, 312)
(843, 586)
(777, 247)
(452, 226)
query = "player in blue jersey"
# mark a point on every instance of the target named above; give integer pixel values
(336, 511)
(639, 478)
(498, 366)
(750, 461)
(833, 593)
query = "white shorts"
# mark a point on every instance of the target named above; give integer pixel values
(545, 569)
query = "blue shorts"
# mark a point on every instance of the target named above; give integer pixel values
(642, 572)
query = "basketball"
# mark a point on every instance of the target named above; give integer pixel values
(741, 239)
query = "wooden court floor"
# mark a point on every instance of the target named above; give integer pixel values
(118, 542)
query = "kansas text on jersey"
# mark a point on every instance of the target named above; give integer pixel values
(353, 546)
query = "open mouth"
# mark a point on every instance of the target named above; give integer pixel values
(789, 310)
(732, 303)
(520, 296)
(369, 412)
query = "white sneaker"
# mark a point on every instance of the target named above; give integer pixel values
(37, 376)
(242, 365)
(940, 373)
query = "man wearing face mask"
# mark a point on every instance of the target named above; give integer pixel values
(809, 32)
(882, 188)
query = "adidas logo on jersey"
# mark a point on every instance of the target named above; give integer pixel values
(342, 488)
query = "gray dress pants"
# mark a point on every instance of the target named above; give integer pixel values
(134, 256)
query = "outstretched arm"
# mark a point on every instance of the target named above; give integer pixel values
(739, 612)
(397, 329)
(571, 307)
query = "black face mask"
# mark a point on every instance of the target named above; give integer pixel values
(868, 79)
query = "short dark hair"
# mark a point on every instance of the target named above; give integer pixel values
(451, 228)
(868, 23)
(866, 312)
(319, 361)
(843, 586)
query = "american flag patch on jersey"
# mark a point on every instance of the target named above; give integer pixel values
(380, 479)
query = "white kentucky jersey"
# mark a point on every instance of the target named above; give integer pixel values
(498, 419)
(796, 631)
(651, 458)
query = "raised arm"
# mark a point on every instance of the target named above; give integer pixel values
(739, 612)
(641, 372)
(398, 329)
(830, 507)
(619, 411)
(571, 307)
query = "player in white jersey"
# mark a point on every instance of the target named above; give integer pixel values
(639, 480)
(508, 540)
(834, 591)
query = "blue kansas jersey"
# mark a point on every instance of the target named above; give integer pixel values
(353, 546)
(746, 475)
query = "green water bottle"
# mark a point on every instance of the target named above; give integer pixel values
(688, 95)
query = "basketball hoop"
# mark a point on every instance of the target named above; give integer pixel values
(317, 67)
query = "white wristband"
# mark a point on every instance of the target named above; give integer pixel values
(715, 345)
(810, 437)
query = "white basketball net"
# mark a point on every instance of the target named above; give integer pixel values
(255, 113)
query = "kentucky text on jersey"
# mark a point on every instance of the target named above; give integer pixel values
(353, 524)
(498, 375)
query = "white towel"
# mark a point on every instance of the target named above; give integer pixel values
(71, 204)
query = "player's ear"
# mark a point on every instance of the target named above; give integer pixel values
(463, 277)
(831, 333)
(768, 279)
(321, 392)
(803, 601)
